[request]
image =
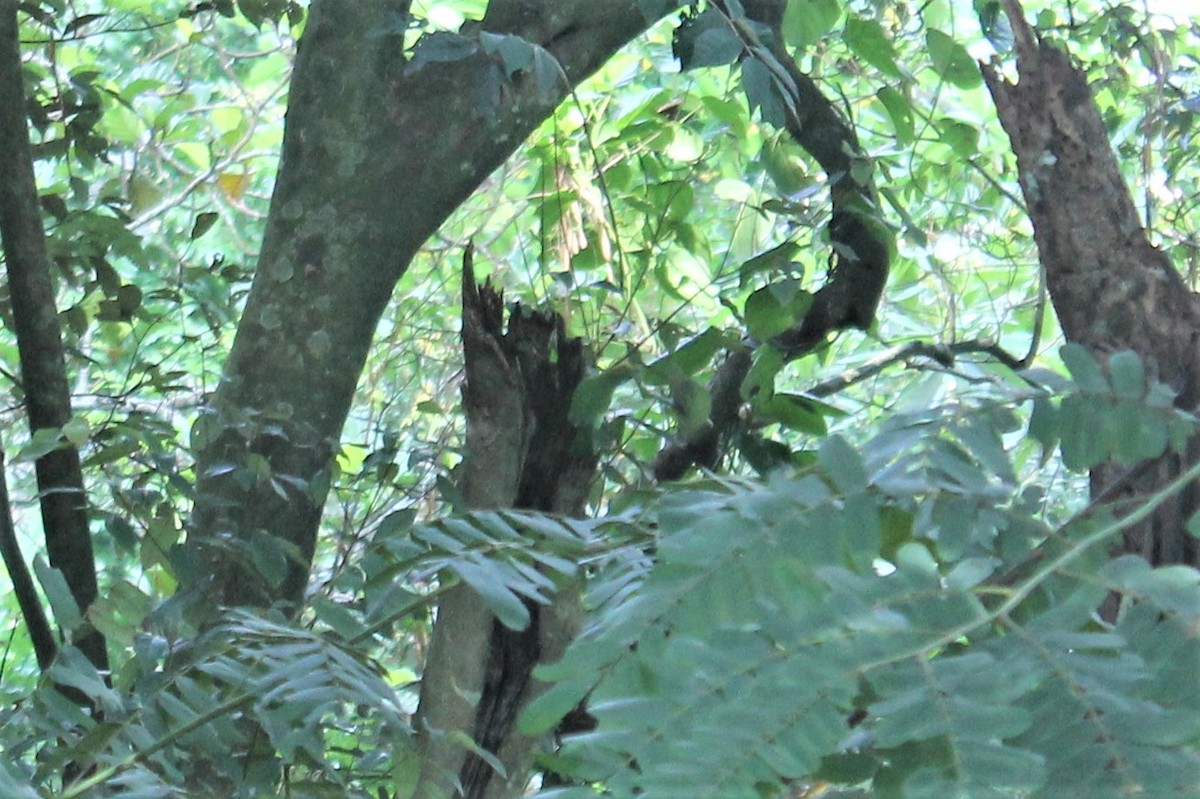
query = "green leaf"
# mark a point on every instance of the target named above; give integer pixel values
(1084, 368)
(776, 260)
(763, 454)
(793, 411)
(74, 669)
(843, 464)
(692, 404)
(1136, 433)
(269, 557)
(77, 431)
(339, 619)
(487, 581)
(785, 164)
(706, 40)
(961, 137)
(952, 61)
(1128, 375)
(773, 309)
(203, 224)
(1044, 422)
(14, 785)
(900, 112)
(687, 360)
(760, 380)
(545, 712)
(866, 38)
(995, 25)
(594, 394)
(806, 22)
(62, 602)
(43, 442)
(762, 92)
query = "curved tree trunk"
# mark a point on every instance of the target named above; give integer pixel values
(378, 150)
(1111, 288)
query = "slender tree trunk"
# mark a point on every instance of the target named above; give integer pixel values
(39, 340)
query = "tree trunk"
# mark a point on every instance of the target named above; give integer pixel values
(39, 342)
(1112, 289)
(378, 150)
(523, 452)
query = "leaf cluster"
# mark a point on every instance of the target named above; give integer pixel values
(899, 618)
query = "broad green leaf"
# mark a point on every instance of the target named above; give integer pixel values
(784, 162)
(867, 40)
(899, 111)
(545, 712)
(806, 22)
(768, 313)
(1082, 432)
(776, 260)
(706, 40)
(341, 620)
(687, 360)
(15, 785)
(952, 61)
(762, 92)
(1128, 375)
(843, 464)
(961, 137)
(692, 404)
(203, 224)
(793, 411)
(62, 602)
(1136, 433)
(1044, 422)
(43, 442)
(1084, 368)
(593, 396)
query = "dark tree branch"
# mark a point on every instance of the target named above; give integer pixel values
(944, 354)
(859, 243)
(39, 340)
(44, 645)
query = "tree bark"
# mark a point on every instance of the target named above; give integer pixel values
(39, 341)
(376, 154)
(1112, 289)
(522, 451)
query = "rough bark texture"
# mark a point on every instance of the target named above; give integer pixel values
(1112, 289)
(859, 245)
(523, 452)
(376, 155)
(39, 340)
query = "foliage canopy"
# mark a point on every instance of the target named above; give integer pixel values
(887, 582)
